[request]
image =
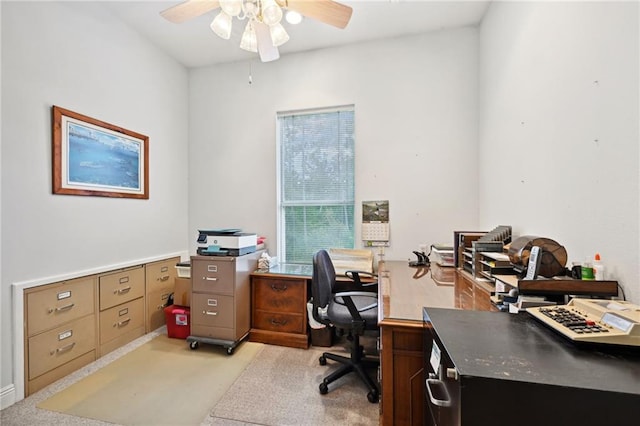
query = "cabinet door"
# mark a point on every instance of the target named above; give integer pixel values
(402, 363)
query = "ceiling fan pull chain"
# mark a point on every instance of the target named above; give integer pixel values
(250, 76)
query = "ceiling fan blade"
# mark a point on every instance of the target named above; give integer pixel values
(268, 52)
(327, 11)
(189, 9)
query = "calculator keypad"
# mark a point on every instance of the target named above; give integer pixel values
(573, 321)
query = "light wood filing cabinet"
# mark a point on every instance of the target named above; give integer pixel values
(121, 307)
(60, 323)
(220, 298)
(279, 314)
(159, 279)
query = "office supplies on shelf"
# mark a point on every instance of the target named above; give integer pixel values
(593, 321)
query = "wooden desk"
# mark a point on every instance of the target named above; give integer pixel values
(404, 291)
(279, 305)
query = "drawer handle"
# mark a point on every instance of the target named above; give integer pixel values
(122, 323)
(62, 308)
(276, 322)
(434, 400)
(122, 290)
(63, 349)
(278, 288)
(164, 278)
(210, 278)
(210, 313)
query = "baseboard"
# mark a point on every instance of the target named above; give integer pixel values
(7, 396)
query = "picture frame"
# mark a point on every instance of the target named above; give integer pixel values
(95, 158)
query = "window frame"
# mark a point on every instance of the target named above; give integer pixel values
(280, 214)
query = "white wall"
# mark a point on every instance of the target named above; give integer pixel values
(416, 128)
(78, 57)
(559, 128)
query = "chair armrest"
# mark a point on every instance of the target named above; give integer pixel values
(355, 276)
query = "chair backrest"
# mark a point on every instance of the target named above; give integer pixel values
(322, 282)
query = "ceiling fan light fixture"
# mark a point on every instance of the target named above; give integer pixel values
(271, 12)
(231, 7)
(278, 35)
(249, 41)
(293, 17)
(221, 25)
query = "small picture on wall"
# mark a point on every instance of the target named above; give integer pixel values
(91, 157)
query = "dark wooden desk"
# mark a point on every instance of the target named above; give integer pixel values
(506, 369)
(404, 291)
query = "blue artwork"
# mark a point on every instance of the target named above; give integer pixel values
(97, 158)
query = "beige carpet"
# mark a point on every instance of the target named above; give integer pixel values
(143, 388)
(280, 387)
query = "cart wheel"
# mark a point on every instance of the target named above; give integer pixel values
(193, 345)
(229, 351)
(323, 388)
(322, 360)
(373, 396)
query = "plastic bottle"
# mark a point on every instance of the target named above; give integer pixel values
(598, 268)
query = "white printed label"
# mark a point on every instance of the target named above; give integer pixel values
(65, 335)
(64, 295)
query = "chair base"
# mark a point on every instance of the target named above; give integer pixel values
(356, 363)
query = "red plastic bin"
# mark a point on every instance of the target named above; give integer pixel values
(178, 319)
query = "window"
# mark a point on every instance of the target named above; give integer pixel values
(315, 182)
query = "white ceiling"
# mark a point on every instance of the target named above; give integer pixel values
(193, 44)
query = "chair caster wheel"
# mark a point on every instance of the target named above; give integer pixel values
(193, 345)
(229, 351)
(373, 397)
(323, 388)
(322, 360)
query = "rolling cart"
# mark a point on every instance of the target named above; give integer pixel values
(229, 345)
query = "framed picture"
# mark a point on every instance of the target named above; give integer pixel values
(91, 157)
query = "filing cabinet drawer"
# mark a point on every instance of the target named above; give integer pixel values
(219, 333)
(280, 322)
(59, 303)
(160, 275)
(121, 319)
(156, 302)
(212, 310)
(62, 344)
(280, 295)
(213, 276)
(121, 287)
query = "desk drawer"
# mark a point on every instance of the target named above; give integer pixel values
(59, 303)
(121, 287)
(213, 276)
(120, 319)
(281, 295)
(160, 275)
(58, 346)
(212, 310)
(279, 322)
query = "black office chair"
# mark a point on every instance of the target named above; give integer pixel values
(351, 311)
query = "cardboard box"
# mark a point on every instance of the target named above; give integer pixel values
(182, 292)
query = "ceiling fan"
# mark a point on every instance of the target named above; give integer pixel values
(263, 33)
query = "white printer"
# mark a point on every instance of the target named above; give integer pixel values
(226, 242)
